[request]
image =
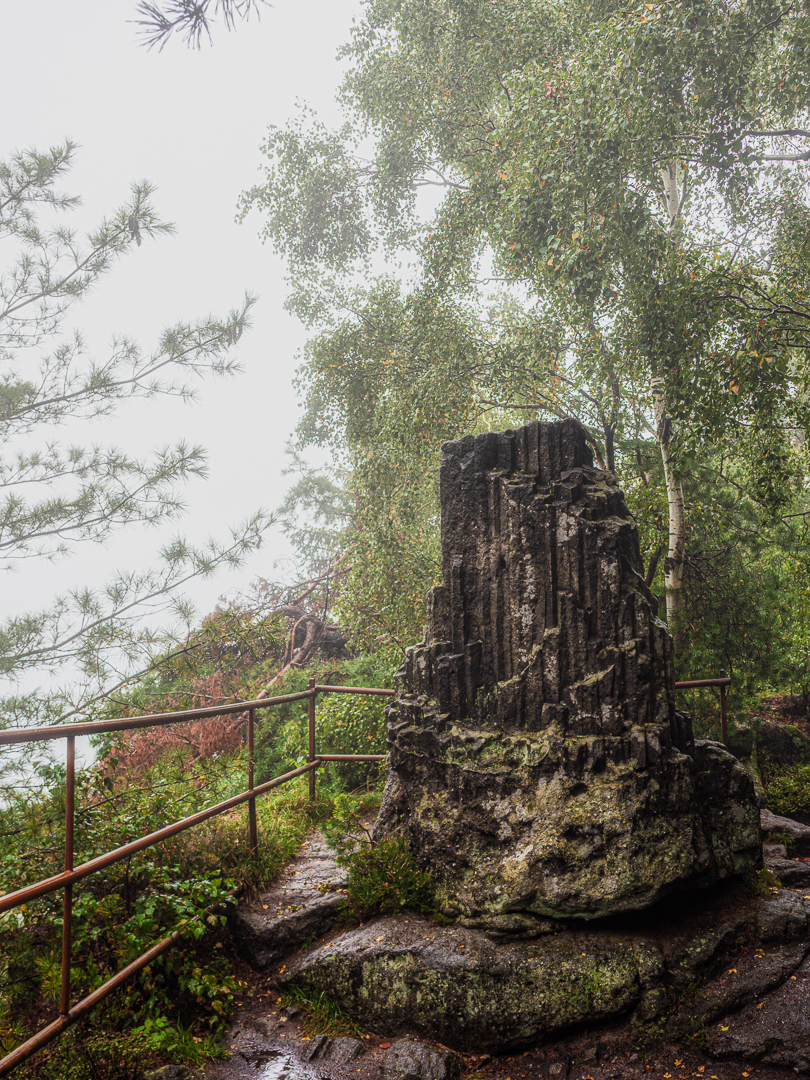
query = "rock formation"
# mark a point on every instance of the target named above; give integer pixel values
(536, 757)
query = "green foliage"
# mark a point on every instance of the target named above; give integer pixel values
(351, 724)
(788, 790)
(761, 883)
(322, 1014)
(384, 878)
(186, 996)
(55, 496)
(745, 581)
(775, 836)
(616, 241)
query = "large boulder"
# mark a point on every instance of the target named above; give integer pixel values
(405, 975)
(475, 991)
(536, 758)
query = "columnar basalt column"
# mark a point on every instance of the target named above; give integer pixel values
(536, 758)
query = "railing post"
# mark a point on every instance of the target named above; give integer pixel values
(67, 902)
(311, 753)
(254, 837)
(723, 722)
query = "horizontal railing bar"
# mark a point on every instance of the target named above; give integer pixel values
(350, 757)
(702, 682)
(355, 690)
(53, 1030)
(96, 727)
(48, 885)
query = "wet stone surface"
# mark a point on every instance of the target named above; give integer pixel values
(307, 899)
(774, 1030)
(410, 1060)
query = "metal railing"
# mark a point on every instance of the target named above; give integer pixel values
(722, 682)
(71, 874)
(69, 1014)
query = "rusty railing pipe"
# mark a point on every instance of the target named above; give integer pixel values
(67, 900)
(311, 734)
(723, 720)
(350, 757)
(48, 885)
(378, 690)
(98, 727)
(722, 682)
(254, 836)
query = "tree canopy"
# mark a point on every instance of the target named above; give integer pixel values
(620, 234)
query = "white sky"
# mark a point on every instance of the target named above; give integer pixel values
(191, 123)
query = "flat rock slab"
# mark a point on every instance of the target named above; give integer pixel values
(410, 1060)
(307, 899)
(799, 834)
(773, 1031)
(455, 985)
(475, 992)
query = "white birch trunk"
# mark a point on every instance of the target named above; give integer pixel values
(676, 549)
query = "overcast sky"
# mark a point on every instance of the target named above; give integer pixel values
(191, 123)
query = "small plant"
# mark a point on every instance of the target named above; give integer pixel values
(776, 836)
(761, 882)
(382, 876)
(322, 1014)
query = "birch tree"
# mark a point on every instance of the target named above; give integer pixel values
(631, 178)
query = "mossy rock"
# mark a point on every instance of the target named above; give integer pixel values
(404, 975)
(778, 745)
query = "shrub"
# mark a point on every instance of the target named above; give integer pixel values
(788, 790)
(384, 878)
(352, 724)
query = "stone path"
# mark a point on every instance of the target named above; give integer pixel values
(306, 901)
(756, 1007)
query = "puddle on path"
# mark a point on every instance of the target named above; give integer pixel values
(276, 1065)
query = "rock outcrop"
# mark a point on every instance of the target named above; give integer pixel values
(536, 757)
(476, 992)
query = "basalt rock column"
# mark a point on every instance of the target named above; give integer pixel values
(536, 758)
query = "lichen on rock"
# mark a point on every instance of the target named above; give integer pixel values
(536, 758)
